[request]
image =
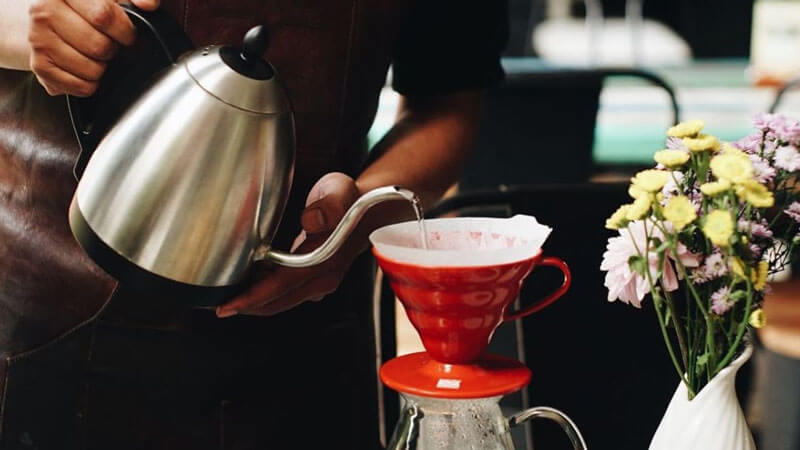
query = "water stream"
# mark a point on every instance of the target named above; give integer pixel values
(423, 232)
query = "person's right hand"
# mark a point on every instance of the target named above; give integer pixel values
(71, 41)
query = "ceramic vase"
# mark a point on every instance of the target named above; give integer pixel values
(713, 420)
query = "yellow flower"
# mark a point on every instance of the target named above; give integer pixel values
(755, 193)
(729, 149)
(650, 180)
(639, 208)
(680, 212)
(636, 192)
(757, 318)
(618, 219)
(715, 187)
(732, 168)
(760, 276)
(701, 143)
(718, 227)
(686, 129)
(737, 267)
(671, 158)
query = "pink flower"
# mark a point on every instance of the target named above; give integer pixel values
(762, 171)
(787, 129)
(625, 284)
(715, 266)
(794, 212)
(783, 127)
(674, 143)
(755, 229)
(763, 121)
(750, 144)
(721, 301)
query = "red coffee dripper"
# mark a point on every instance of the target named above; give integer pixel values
(456, 294)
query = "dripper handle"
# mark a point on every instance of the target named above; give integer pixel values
(340, 233)
(569, 427)
(545, 302)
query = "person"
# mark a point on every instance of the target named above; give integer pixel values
(90, 364)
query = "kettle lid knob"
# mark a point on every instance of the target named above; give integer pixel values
(248, 60)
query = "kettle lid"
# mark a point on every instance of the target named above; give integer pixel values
(248, 60)
(239, 75)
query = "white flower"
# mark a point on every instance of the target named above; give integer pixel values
(787, 158)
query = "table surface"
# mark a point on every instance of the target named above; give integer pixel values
(633, 115)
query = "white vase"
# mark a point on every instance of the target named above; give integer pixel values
(713, 420)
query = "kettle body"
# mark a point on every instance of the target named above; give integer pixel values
(183, 172)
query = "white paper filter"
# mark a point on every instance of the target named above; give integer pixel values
(462, 241)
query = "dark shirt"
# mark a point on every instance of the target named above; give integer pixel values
(449, 46)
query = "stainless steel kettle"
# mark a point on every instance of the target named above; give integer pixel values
(186, 189)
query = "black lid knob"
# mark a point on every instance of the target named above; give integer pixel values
(249, 60)
(255, 43)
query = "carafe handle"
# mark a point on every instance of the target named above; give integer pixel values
(545, 302)
(159, 43)
(555, 415)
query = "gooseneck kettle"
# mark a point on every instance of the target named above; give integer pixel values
(186, 188)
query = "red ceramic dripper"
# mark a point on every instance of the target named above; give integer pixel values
(456, 297)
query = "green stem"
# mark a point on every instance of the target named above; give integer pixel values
(657, 305)
(740, 331)
(678, 328)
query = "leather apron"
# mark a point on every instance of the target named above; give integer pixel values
(86, 364)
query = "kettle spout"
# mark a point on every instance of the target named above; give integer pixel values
(342, 230)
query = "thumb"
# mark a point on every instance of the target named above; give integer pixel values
(147, 5)
(327, 203)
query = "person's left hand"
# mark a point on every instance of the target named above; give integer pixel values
(283, 288)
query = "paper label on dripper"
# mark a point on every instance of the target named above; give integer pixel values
(448, 383)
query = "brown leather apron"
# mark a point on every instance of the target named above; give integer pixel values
(81, 368)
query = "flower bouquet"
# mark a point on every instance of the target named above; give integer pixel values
(703, 232)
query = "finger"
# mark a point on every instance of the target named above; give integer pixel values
(147, 5)
(274, 285)
(107, 17)
(67, 58)
(328, 202)
(57, 81)
(80, 35)
(311, 291)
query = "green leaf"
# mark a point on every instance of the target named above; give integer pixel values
(702, 360)
(738, 295)
(638, 264)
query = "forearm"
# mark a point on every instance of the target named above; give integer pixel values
(426, 149)
(425, 152)
(14, 47)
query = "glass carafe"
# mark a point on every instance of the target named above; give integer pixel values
(470, 424)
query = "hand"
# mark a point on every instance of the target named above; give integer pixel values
(283, 288)
(71, 41)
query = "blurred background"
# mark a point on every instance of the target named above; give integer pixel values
(591, 87)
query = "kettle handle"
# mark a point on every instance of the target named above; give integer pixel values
(125, 78)
(555, 415)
